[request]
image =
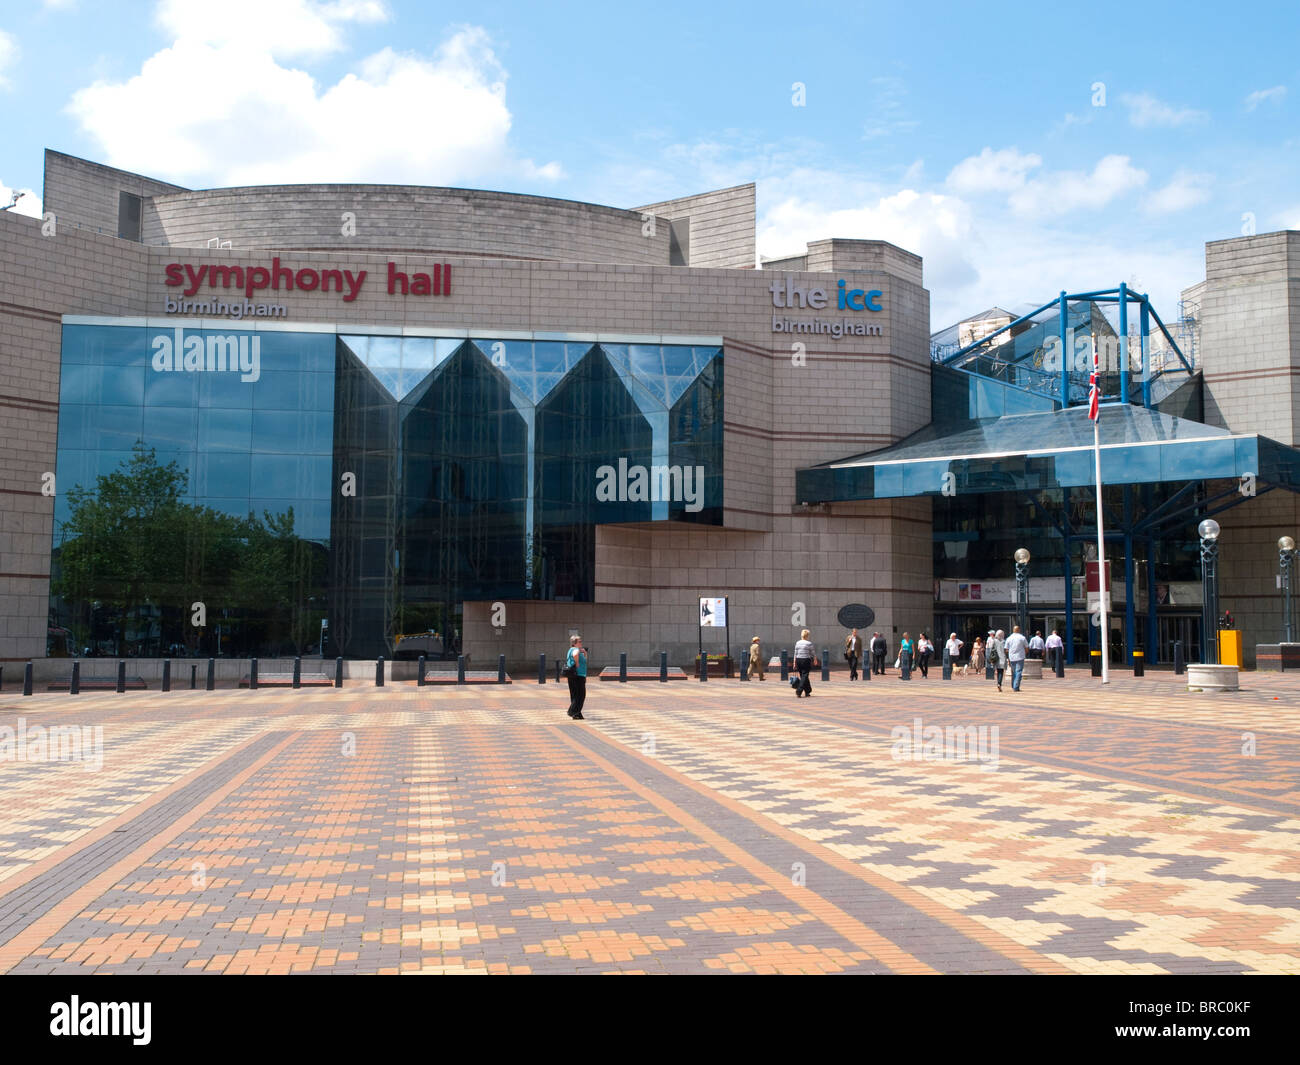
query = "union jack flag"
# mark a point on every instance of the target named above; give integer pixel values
(1094, 386)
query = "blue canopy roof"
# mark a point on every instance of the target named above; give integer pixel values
(1051, 449)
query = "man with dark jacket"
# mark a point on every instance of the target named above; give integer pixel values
(879, 652)
(853, 652)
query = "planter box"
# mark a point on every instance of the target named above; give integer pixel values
(719, 666)
(1277, 656)
(1033, 669)
(1202, 677)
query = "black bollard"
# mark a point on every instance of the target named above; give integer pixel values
(167, 675)
(338, 672)
(1139, 664)
(989, 673)
(1096, 663)
(194, 676)
(297, 672)
(501, 669)
(2, 678)
(379, 672)
(460, 669)
(1060, 661)
(704, 668)
(622, 667)
(121, 677)
(947, 664)
(419, 672)
(74, 685)
(663, 667)
(541, 668)
(744, 667)
(252, 674)
(826, 665)
(27, 679)
(865, 673)
(785, 666)
(1180, 666)
(212, 674)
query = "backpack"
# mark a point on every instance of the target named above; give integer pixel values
(995, 659)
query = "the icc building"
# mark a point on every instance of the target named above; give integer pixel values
(312, 418)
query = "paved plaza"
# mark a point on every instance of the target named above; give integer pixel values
(688, 827)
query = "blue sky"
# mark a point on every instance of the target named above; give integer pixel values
(1020, 148)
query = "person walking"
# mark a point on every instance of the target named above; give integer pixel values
(997, 652)
(1017, 648)
(803, 663)
(924, 652)
(1054, 646)
(976, 664)
(853, 652)
(575, 668)
(879, 651)
(756, 658)
(1036, 645)
(905, 658)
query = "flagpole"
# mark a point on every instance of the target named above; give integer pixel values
(1103, 586)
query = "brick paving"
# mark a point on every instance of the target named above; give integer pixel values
(878, 827)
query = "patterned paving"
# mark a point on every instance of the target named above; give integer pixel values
(880, 827)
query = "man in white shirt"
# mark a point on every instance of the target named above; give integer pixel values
(1055, 645)
(1017, 648)
(1036, 645)
(953, 647)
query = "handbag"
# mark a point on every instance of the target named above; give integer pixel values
(794, 680)
(570, 669)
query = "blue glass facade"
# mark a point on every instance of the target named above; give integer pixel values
(371, 481)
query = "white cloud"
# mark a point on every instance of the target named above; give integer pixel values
(1145, 111)
(8, 56)
(218, 107)
(993, 171)
(29, 204)
(283, 27)
(935, 226)
(1067, 190)
(1276, 94)
(1289, 219)
(1184, 190)
(887, 109)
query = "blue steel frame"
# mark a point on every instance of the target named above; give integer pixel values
(1121, 296)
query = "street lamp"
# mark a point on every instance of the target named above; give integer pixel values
(1022, 588)
(1208, 531)
(1285, 560)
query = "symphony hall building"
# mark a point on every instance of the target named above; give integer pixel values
(312, 418)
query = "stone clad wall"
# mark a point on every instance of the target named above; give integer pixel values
(84, 195)
(722, 225)
(402, 218)
(1250, 335)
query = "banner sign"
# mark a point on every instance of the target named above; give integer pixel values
(713, 613)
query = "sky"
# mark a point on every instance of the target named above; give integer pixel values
(1020, 148)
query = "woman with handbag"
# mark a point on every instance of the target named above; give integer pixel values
(803, 663)
(575, 669)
